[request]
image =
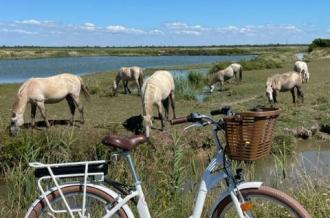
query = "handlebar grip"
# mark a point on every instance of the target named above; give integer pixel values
(216, 112)
(179, 120)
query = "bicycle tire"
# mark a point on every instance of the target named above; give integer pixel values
(265, 193)
(41, 206)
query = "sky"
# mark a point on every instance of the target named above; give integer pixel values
(158, 22)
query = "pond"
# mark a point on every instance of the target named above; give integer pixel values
(12, 71)
(311, 159)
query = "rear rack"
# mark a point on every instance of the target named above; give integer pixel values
(58, 171)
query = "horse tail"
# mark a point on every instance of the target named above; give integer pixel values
(141, 79)
(84, 89)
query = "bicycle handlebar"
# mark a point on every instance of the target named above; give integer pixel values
(179, 120)
(196, 117)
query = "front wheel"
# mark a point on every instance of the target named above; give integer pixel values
(264, 202)
(98, 203)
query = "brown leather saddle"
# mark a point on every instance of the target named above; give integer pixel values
(125, 143)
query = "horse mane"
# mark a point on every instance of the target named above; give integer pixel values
(146, 100)
(19, 95)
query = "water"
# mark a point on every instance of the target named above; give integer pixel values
(311, 158)
(19, 70)
(300, 56)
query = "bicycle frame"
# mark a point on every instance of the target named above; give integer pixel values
(211, 177)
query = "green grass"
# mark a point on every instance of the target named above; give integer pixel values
(165, 163)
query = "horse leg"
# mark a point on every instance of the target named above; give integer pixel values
(236, 78)
(161, 116)
(33, 114)
(300, 94)
(275, 93)
(221, 84)
(165, 104)
(293, 95)
(138, 85)
(72, 107)
(125, 85)
(129, 91)
(41, 107)
(80, 108)
(172, 97)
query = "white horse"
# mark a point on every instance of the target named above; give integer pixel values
(226, 74)
(301, 67)
(157, 90)
(283, 83)
(127, 74)
(40, 91)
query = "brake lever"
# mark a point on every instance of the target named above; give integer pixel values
(205, 123)
(193, 125)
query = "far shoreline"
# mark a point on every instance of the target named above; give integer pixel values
(28, 52)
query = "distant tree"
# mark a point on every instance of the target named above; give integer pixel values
(319, 43)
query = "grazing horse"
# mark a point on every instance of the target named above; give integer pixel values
(283, 83)
(226, 74)
(127, 74)
(40, 91)
(157, 90)
(301, 67)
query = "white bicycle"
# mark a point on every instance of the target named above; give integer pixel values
(88, 196)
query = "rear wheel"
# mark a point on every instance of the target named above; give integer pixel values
(98, 202)
(263, 202)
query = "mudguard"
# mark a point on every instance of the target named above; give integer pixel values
(100, 187)
(245, 185)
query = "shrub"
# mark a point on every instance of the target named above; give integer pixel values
(196, 79)
(319, 43)
(183, 89)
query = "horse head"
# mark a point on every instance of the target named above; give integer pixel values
(211, 88)
(305, 75)
(114, 87)
(269, 92)
(147, 123)
(16, 121)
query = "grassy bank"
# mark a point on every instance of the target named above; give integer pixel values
(171, 167)
(44, 52)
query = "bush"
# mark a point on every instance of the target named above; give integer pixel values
(319, 43)
(183, 89)
(196, 79)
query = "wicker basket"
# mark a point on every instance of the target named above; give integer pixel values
(249, 135)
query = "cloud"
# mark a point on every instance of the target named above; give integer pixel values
(19, 31)
(89, 26)
(178, 33)
(156, 32)
(181, 28)
(188, 32)
(31, 21)
(123, 29)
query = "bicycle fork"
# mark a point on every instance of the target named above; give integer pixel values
(210, 179)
